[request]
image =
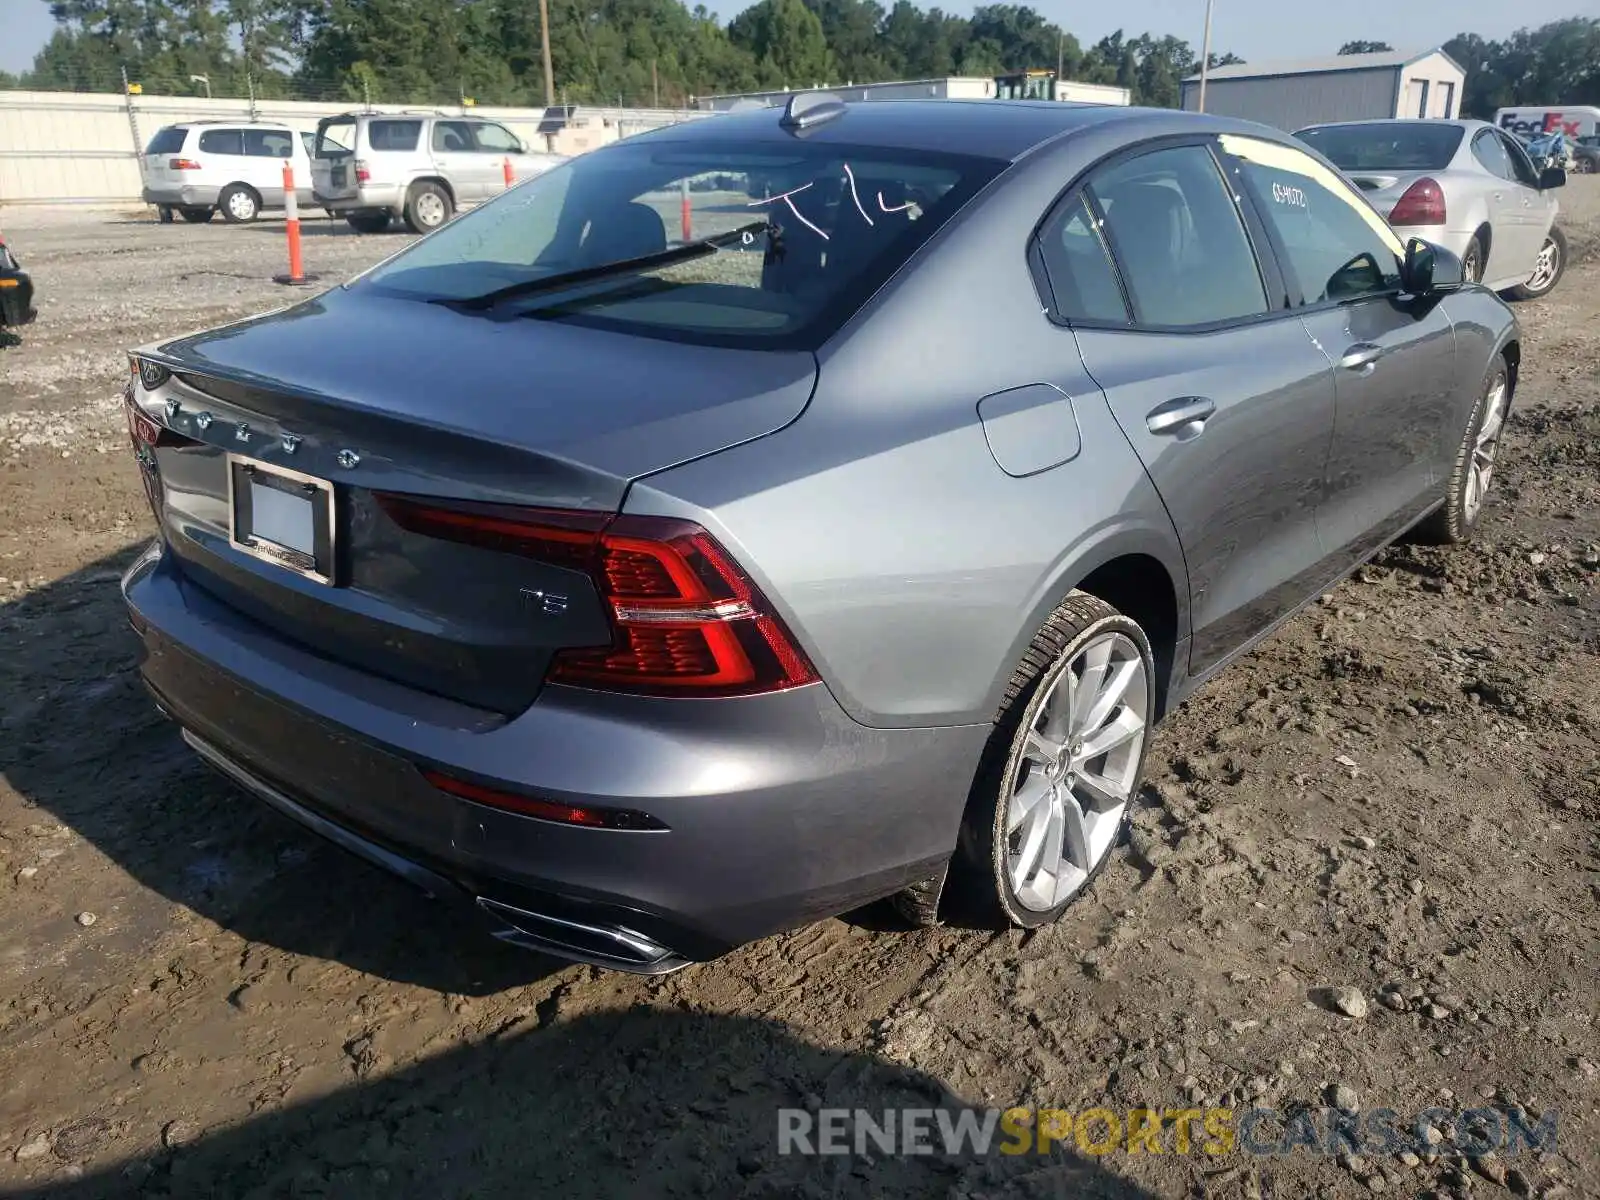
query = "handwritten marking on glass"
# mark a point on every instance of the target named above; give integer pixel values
(851, 176)
(787, 198)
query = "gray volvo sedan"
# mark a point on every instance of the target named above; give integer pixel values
(799, 507)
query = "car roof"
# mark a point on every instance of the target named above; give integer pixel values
(997, 129)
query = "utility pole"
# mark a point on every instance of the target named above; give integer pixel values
(544, 48)
(1205, 56)
(655, 83)
(1061, 45)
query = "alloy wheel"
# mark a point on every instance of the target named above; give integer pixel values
(1545, 267)
(1485, 448)
(1079, 762)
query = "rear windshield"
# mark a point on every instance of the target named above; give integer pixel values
(1386, 145)
(336, 139)
(168, 140)
(818, 228)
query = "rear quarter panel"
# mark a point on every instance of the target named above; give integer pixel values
(910, 566)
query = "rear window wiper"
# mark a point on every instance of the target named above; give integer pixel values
(622, 266)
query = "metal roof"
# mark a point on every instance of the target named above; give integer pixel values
(1384, 60)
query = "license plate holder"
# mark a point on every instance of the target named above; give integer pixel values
(281, 517)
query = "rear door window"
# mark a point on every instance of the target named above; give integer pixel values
(1178, 239)
(1491, 155)
(336, 139)
(452, 137)
(167, 141)
(268, 143)
(222, 141)
(393, 135)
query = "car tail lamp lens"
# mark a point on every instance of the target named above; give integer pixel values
(151, 374)
(183, 164)
(687, 620)
(589, 816)
(363, 172)
(1422, 204)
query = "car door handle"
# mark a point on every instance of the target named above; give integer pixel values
(1361, 357)
(1177, 416)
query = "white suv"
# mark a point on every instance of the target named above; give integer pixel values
(371, 168)
(199, 167)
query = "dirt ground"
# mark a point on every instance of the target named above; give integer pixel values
(1398, 794)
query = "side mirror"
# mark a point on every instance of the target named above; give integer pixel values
(1429, 269)
(1552, 177)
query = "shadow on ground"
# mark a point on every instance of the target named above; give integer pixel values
(642, 1103)
(81, 740)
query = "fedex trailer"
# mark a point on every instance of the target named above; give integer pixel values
(1574, 120)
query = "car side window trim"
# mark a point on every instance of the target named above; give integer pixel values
(1279, 283)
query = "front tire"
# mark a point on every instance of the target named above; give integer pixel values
(1476, 457)
(164, 214)
(239, 204)
(1547, 270)
(196, 216)
(1055, 786)
(428, 206)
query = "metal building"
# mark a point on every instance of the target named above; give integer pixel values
(955, 87)
(1346, 87)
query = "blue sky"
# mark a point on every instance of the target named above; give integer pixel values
(1257, 29)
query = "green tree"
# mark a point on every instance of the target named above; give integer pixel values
(786, 40)
(1365, 48)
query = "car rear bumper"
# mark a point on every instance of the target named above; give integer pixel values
(779, 809)
(373, 198)
(16, 298)
(186, 196)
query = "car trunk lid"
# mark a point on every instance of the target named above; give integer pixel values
(384, 396)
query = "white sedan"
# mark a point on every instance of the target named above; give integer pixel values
(1464, 185)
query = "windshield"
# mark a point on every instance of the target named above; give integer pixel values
(841, 220)
(1386, 145)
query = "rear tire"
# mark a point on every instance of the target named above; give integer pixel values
(428, 206)
(368, 222)
(239, 204)
(1055, 786)
(1476, 457)
(1548, 269)
(1472, 261)
(196, 216)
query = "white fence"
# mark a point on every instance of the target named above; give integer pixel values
(80, 147)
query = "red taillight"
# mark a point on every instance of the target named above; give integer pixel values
(1422, 204)
(687, 620)
(590, 817)
(184, 164)
(363, 172)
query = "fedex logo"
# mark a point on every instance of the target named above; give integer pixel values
(1548, 122)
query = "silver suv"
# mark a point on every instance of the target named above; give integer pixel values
(371, 168)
